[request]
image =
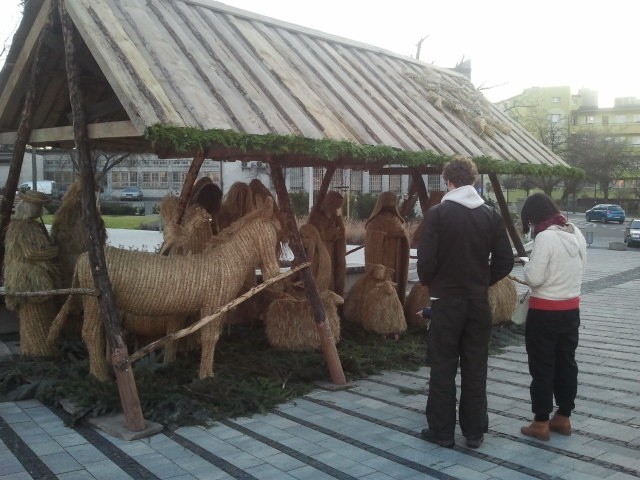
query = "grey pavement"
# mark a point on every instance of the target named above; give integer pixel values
(372, 431)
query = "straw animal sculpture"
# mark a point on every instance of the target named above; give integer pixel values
(208, 195)
(354, 301)
(150, 284)
(318, 255)
(29, 267)
(191, 235)
(382, 311)
(503, 300)
(327, 218)
(259, 193)
(387, 241)
(417, 299)
(237, 202)
(290, 324)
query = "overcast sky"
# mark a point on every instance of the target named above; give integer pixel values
(557, 42)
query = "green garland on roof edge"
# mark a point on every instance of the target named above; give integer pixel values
(189, 140)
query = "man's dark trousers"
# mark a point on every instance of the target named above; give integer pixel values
(459, 333)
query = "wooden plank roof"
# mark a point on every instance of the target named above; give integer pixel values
(205, 65)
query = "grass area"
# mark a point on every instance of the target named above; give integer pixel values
(132, 222)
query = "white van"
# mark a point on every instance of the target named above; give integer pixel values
(45, 186)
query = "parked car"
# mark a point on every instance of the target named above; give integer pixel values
(632, 233)
(606, 212)
(131, 193)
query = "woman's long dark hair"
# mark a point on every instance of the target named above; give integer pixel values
(537, 208)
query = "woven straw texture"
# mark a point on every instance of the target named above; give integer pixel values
(149, 284)
(354, 301)
(382, 311)
(503, 300)
(290, 324)
(237, 202)
(35, 321)
(318, 255)
(327, 218)
(417, 299)
(387, 241)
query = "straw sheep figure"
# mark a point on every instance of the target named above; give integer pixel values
(387, 241)
(29, 267)
(354, 301)
(382, 311)
(290, 323)
(327, 218)
(417, 299)
(503, 300)
(150, 284)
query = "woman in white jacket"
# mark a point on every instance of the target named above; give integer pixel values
(554, 274)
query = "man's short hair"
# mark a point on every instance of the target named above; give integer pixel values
(460, 171)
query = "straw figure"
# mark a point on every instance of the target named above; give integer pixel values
(417, 299)
(70, 235)
(208, 195)
(327, 218)
(503, 300)
(150, 284)
(354, 300)
(237, 202)
(30, 266)
(290, 324)
(192, 235)
(382, 311)
(318, 255)
(387, 242)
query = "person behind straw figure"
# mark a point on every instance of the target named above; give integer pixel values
(554, 274)
(463, 250)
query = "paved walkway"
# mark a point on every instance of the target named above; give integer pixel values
(371, 432)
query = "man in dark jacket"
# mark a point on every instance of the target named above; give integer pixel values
(464, 249)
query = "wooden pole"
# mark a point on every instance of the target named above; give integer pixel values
(324, 186)
(24, 129)
(187, 187)
(311, 291)
(410, 201)
(421, 189)
(504, 209)
(134, 420)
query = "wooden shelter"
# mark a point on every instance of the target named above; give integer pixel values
(200, 78)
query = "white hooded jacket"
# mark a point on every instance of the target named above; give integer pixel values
(557, 263)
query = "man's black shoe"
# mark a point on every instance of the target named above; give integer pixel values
(428, 435)
(475, 442)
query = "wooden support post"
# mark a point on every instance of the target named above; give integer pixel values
(24, 129)
(324, 187)
(320, 316)
(421, 188)
(134, 420)
(504, 209)
(410, 201)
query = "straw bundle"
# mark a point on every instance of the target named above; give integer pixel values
(382, 311)
(503, 299)
(417, 299)
(35, 320)
(354, 300)
(290, 324)
(387, 242)
(149, 284)
(327, 218)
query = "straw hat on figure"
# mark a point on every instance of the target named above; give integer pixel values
(30, 266)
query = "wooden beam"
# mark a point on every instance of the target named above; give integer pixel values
(421, 189)
(24, 129)
(96, 131)
(504, 209)
(324, 187)
(310, 289)
(30, 48)
(134, 420)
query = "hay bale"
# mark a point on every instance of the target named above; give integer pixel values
(382, 311)
(417, 299)
(290, 324)
(503, 299)
(354, 299)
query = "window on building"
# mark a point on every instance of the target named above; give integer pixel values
(435, 183)
(554, 117)
(590, 120)
(296, 178)
(555, 99)
(356, 180)
(375, 183)
(154, 180)
(176, 180)
(395, 184)
(123, 178)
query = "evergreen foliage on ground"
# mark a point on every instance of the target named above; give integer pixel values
(250, 376)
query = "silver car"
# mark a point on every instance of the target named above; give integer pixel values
(632, 233)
